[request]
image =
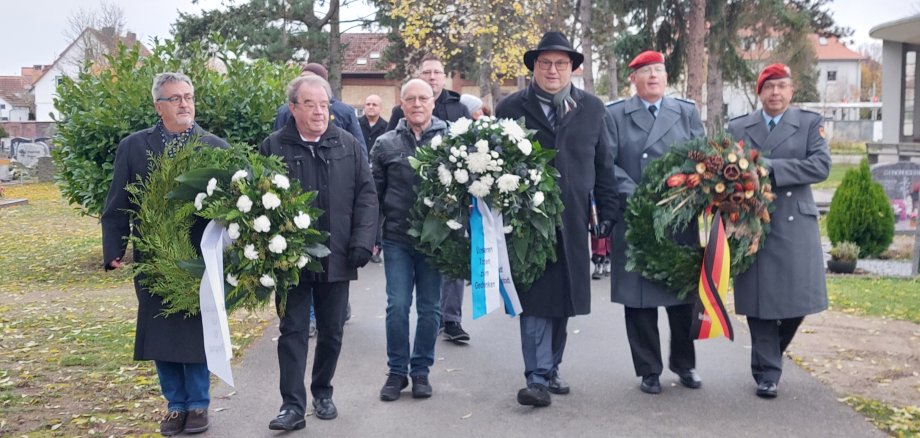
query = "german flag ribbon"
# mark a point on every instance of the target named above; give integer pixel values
(711, 318)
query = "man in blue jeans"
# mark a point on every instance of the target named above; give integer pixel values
(405, 267)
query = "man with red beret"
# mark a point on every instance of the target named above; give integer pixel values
(645, 127)
(786, 282)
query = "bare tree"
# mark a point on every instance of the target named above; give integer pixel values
(587, 43)
(108, 19)
(696, 50)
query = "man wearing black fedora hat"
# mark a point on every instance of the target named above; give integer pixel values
(574, 124)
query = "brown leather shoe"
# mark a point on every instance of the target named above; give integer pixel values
(173, 423)
(197, 421)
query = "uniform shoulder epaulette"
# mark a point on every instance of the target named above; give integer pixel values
(691, 102)
(738, 117)
(621, 100)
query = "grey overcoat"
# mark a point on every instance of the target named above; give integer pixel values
(787, 279)
(639, 138)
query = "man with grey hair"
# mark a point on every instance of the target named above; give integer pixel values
(175, 343)
(405, 267)
(326, 159)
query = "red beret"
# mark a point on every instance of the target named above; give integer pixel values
(772, 71)
(645, 58)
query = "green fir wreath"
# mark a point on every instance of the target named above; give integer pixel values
(676, 189)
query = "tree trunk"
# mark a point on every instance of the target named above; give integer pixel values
(335, 51)
(485, 63)
(587, 44)
(614, 92)
(696, 50)
(715, 119)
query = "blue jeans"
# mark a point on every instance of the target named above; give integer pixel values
(185, 385)
(406, 268)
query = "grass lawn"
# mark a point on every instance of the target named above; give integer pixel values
(887, 297)
(836, 176)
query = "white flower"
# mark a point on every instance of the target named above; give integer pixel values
(487, 180)
(508, 183)
(233, 230)
(535, 176)
(262, 224)
(478, 189)
(244, 204)
(462, 176)
(454, 151)
(462, 147)
(507, 229)
(199, 199)
(240, 174)
(271, 201)
(436, 141)
(478, 162)
(462, 154)
(302, 261)
(267, 281)
(460, 127)
(454, 225)
(249, 251)
(444, 175)
(512, 130)
(494, 154)
(537, 199)
(501, 161)
(302, 220)
(525, 147)
(277, 244)
(428, 202)
(212, 184)
(452, 158)
(482, 147)
(232, 280)
(280, 181)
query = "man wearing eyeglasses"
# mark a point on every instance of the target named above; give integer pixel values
(326, 159)
(645, 127)
(573, 123)
(786, 281)
(175, 343)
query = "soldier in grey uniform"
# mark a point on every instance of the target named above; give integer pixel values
(786, 282)
(645, 127)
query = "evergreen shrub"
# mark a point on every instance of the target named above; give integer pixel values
(861, 213)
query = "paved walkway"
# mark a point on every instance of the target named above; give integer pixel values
(475, 386)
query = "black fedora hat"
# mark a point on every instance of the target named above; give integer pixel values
(553, 41)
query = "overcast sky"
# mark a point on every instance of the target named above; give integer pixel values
(33, 30)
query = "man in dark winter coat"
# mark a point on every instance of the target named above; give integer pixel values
(372, 125)
(573, 123)
(786, 282)
(175, 343)
(406, 268)
(645, 127)
(326, 159)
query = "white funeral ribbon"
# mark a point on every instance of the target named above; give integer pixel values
(490, 270)
(217, 347)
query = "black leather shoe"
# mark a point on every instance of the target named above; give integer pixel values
(688, 377)
(766, 389)
(558, 386)
(534, 395)
(288, 420)
(454, 332)
(650, 384)
(393, 387)
(324, 408)
(173, 423)
(420, 387)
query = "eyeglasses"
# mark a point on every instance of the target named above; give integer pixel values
(311, 106)
(420, 99)
(647, 70)
(780, 86)
(561, 64)
(190, 98)
(432, 73)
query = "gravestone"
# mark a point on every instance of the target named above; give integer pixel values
(29, 153)
(901, 182)
(44, 169)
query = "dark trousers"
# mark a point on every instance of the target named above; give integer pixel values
(451, 300)
(543, 343)
(769, 339)
(330, 301)
(644, 342)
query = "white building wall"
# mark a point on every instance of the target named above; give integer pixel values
(892, 61)
(845, 86)
(46, 88)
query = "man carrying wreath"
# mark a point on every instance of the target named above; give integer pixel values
(175, 343)
(786, 281)
(645, 127)
(573, 123)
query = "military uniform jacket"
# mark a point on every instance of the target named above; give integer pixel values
(584, 160)
(639, 138)
(175, 338)
(787, 279)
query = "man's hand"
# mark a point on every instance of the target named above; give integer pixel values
(604, 228)
(358, 257)
(114, 264)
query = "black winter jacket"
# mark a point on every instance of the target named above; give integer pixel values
(335, 167)
(396, 181)
(447, 107)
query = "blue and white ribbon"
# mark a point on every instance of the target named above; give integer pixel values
(489, 264)
(217, 347)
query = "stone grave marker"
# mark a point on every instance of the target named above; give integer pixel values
(29, 153)
(901, 182)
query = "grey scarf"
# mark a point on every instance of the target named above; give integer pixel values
(561, 102)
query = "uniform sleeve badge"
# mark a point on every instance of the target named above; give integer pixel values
(821, 131)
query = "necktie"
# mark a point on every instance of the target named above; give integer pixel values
(653, 109)
(551, 116)
(772, 124)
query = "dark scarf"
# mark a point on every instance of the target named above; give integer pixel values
(173, 142)
(561, 102)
